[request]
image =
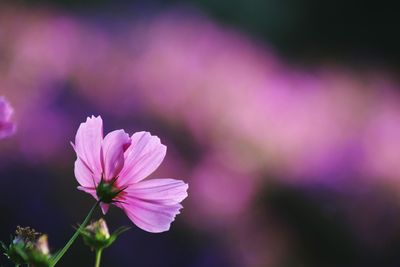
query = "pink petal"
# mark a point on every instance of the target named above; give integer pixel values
(7, 128)
(84, 175)
(104, 207)
(152, 205)
(5, 110)
(114, 145)
(164, 191)
(88, 144)
(151, 217)
(142, 158)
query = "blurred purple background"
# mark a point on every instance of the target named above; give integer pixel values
(293, 159)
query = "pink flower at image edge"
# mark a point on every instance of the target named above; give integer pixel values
(7, 128)
(113, 169)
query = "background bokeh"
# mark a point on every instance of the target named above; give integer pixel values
(283, 117)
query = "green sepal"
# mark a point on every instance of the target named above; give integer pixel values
(117, 233)
(107, 192)
(39, 259)
(16, 252)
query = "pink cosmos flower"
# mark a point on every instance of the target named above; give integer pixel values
(113, 168)
(7, 128)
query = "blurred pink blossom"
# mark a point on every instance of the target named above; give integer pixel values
(213, 208)
(7, 127)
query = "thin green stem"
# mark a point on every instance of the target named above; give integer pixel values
(98, 257)
(73, 238)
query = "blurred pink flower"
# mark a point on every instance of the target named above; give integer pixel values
(112, 170)
(7, 128)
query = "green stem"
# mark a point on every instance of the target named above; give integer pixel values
(71, 241)
(98, 257)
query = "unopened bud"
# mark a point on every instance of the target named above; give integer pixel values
(42, 245)
(97, 236)
(99, 228)
(28, 248)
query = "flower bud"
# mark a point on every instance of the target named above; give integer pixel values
(28, 247)
(97, 236)
(39, 255)
(17, 251)
(99, 228)
(42, 245)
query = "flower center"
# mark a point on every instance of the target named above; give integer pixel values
(107, 191)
